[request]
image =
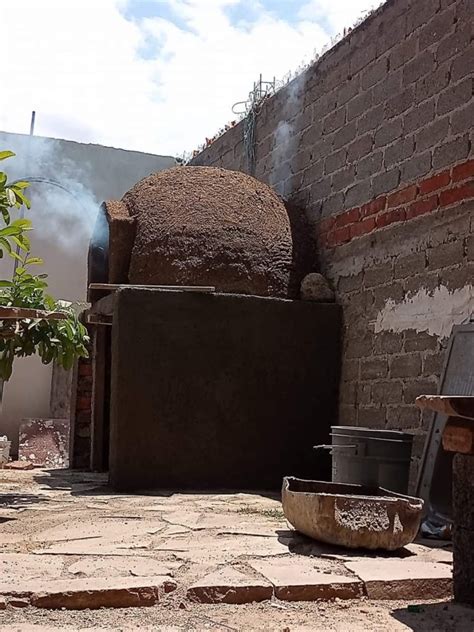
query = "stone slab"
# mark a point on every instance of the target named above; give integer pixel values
(19, 466)
(228, 585)
(403, 579)
(301, 579)
(111, 566)
(16, 566)
(90, 593)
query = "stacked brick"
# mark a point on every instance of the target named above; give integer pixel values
(83, 415)
(379, 158)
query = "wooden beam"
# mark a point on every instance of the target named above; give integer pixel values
(458, 436)
(450, 405)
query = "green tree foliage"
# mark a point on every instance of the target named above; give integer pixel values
(61, 341)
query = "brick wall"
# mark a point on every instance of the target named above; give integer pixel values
(374, 145)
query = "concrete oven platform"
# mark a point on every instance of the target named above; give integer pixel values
(68, 542)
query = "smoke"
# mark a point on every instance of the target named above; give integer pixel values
(63, 209)
(285, 138)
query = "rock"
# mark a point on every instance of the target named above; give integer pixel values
(314, 287)
(18, 602)
(299, 579)
(403, 579)
(45, 442)
(90, 593)
(229, 586)
(19, 465)
(3, 603)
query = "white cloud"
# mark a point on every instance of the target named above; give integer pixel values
(78, 63)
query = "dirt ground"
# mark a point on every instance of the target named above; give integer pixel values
(67, 525)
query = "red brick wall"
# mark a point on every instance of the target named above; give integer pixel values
(379, 159)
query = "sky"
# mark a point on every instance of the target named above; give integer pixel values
(151, 75)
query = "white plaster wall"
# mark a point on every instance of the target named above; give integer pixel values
(100, 173)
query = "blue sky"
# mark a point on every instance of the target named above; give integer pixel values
(152, 75)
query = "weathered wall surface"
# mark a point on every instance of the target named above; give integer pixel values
(243, 387)
(374, 143)
(95, 173)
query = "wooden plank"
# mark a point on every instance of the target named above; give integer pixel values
(98, 319)
(458, 436)
(450, 405)
(113, 287)
(22, 313)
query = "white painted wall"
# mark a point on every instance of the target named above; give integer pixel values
(63, 225)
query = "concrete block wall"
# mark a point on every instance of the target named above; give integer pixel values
(374, 143)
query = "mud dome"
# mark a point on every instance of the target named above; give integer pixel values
(208, 226)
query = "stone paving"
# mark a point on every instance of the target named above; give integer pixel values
(67, 541)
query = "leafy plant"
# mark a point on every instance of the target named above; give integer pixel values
(52, 339)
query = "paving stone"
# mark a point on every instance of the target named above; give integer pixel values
(3, 603)
(403, 579)
(111, 566)
(300, 579)
(19, 602)
(228, 585)
(15, 566)
(20, 466)
(78, 594)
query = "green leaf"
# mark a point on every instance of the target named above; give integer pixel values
(6, 283)
(34, 261)
(21, 184)
(6, 154)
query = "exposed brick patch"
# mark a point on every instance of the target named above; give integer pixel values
(437, 191)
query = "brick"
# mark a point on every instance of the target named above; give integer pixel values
(432, 134)
(387, 392)
(463, 65)
(362, 227)
(334, 120)
(433, 364)
(370, 120)
(403, 148)
(403, 418)
(457, 194)
(360, 348)
(419, 341)
(348, 90)
(391, 34)
(332, 204)
(461, 120)
(360, 147)
(228, 585)
(358, 105)
(373, 368)
(455, 277)
(383, 293)
(347, 393)
(434, 83)
(463, 171)
(372, 416)
(427, 281)
(408, 265)
(417, 387)
(373, 207)
(392, 84)
(345, 135)
(388, 132)
(385, 182)
(313, 173)
(422, 207)
(362, 56)
(335, 161)
(454, 97)
(421, 65)
(419, 116)
(350, 369)
(370, 164)
(388, 342)
(445, 255)
(349, 217)
(436, 28)
(417, 166)
(435, 183)
(470, 248)
(391, 217)
(374, 72)
(358, 193)
(403, 579)
(420, 14)
(407, 365)
(400, 102)
(402, 53)
(403, 196)
(453, 44)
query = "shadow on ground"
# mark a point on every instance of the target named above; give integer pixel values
(445, 616)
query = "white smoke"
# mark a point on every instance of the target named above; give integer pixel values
(285, 138)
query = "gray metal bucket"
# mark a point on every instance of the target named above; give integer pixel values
(379, 458)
